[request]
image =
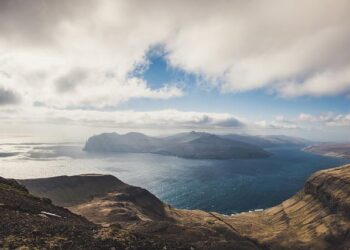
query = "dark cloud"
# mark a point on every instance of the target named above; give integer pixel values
(37, 21)
(69, 81)
(208, 120)
(8, 97)
(231, 122)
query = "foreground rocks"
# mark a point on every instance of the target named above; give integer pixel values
(126, 217)
(31, 222)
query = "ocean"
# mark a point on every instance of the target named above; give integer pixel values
(224, 186)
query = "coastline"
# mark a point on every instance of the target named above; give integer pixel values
(330, 150)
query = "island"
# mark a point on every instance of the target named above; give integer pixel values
(192, 145)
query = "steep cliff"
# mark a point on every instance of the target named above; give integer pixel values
(317, 217)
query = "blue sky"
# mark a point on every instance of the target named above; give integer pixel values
(252, 104)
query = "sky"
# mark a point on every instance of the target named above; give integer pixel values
(70, 69)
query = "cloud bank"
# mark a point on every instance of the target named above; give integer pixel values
(169, 118)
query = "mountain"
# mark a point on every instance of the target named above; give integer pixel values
(70, 191)
(192, 145)
(134, 217)
(128, 143)
(317, 217)
(341, 150)
(208, 146)
(268, 140)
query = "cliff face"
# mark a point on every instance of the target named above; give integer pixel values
(317, 217)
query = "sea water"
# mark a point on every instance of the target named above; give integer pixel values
(224, 186)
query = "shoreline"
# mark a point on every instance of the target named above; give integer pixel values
(329, 150)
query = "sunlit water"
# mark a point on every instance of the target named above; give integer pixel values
(225, 186)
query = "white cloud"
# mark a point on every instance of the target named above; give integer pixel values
(290, 47)
(127, 119)
(306, 117)
(327, 119)
(276, 124)
(306, 121)
(60, 87)
(328, 82)
(65, 54)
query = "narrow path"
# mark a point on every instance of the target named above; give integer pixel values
(227, 224)
(255, 242)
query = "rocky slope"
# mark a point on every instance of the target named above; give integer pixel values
(101, 198)
(317, 217)
(138, 212)
(28, 221)
(191, 145)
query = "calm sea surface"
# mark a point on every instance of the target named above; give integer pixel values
(225, 186)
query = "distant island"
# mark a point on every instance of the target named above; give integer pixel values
(341, 150)
(192, 145)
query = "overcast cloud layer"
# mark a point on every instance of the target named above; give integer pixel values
(80, 54)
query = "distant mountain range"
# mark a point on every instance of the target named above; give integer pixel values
(340, 150)
(192, 145)
(269, 141)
